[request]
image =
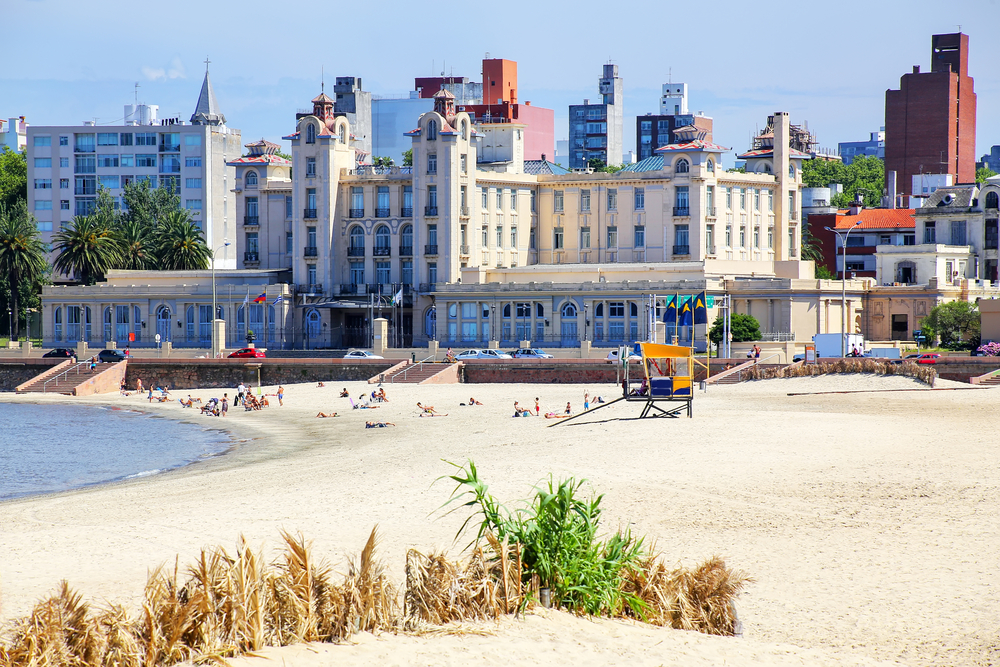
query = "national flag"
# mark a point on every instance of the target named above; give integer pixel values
(670, 312)
(278, 300)
(397, 297)
(700, 310)
(684, 314)
(261, 299)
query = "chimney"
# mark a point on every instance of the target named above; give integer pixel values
(858, 205)
(543, 158)
(891, 187)
(916, 69)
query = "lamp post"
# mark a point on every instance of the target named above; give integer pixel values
(843, 285)
(215, 308)
(10, 324)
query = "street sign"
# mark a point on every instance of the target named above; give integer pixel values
(157, 338)
(709, 301)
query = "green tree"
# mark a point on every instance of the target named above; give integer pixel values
(823, 273)
(383, 161)
(408, 157)
(597, 164)
(743, 327)
(22, 256)
(138, 246)
(737, 170)
(818, 173)
(956, 323)
(865, 173)
(147, 205)
(983, 173)
(87, 248)
(13, 178)
(181, 244)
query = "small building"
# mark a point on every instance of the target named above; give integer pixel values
(14, 134)
(874, 147)
(869, 228)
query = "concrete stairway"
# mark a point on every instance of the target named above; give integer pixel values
(418, 373)
(72, 379)
(991, 379)
(741, 375)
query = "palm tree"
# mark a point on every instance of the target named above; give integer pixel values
(138, 246)
(22, 254)
(88, 248)
(181, 244)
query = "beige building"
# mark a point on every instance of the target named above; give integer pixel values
(263, 192)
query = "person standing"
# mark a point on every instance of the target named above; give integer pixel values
(537, 409)
(225, 404)
(586, 400)
(281, 395)
(568, 410)
(240, 393)
(138, 385)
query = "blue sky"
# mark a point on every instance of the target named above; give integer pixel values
(827, 64)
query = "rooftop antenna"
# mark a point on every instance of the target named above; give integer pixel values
(322, 79)
(670, 75)
(137, 93)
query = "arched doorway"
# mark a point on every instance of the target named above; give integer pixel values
(163, 323)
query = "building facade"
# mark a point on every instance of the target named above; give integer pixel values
(596, 131)
(67, 165)
(874, 147)
(263, 199)
(14, 134)
(930, 122)
(991, 160)
(655, 130)
(870, 228)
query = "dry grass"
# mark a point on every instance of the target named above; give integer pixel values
(923, 373)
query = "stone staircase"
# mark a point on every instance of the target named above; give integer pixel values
(991, 379)
(417, 373)
(741, 375)
(76, 380)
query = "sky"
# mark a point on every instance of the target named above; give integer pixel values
(826, 64)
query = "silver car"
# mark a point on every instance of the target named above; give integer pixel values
(482, 354)
(361, 354)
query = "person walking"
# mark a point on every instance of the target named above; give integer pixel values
(586, 401)
(281, 395)
(225, 404)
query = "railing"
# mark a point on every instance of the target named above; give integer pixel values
(251, 257)
(314, 288)
(682, 250)
(83, 149)
(414, 367)
(383, 252)
(310, 251)
(681, 211)
(778, 336)
(406, 251)
(463, 249)
(251, 220)
(406, 212)
(56, 378)
(424, 288)
(382, 212)
(710, 250)
(348, 289)
(372, 170)
(309, 213)
(170, 148)
(465, 212)
(356, 251)
(710, 212)
(430, 250)
(430, 210)
(357, 212)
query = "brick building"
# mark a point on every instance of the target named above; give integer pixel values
(878, 226)
(930, 122)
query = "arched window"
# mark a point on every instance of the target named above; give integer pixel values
(682, 166)
(310, 133)
(633, 310)
(406, 237)
(58, 322)
(190, 322)
(358, 240)
(539, 310)
(430, 323)
(506, 310)
(382, 237)
(568, 309)
(343, 134)
(599, 310)
(992, 200)
(313, 319)
(710, 165)
(765, 168)
(432, 130)
(107, 323)
(465, 130)
(251, 178)
(791, 171)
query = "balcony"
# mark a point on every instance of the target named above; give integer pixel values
(465, 211)
(681, 212)
(348, 289)
(383, 252)
(316, 288)
(430, 250)
(464, 249)
(170, 148)
(425, 287)
(310, 251)
(357, 212)
(251, 257)
(682, 250)
(406, 251)
(793, 215)
(356, 251)
(406, 212)
(83, 149)
(309, 213)
(251, 220)
(430, 210)
(710, 250)
(382, 212)
(710, 212)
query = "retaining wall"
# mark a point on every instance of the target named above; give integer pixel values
(14, 373)
(554, 371)
(195, 373)
(963, 369)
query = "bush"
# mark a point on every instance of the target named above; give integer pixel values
(743, 327)
(955, 322)
(989, 350)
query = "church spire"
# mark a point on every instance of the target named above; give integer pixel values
(206, 112)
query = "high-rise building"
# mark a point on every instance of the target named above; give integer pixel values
(930, 122)
(596, 130)
(874, 147)
(653, 131)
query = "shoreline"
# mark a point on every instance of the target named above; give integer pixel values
(836, 504)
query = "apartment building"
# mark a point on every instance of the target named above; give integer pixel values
(68, 164)
(596, 130)
(14, 134)
(655, 130)
(263, 199)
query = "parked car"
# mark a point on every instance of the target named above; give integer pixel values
(247, 353)
(909, 357)
(59, 353)
(361, 354)
(928, 358)
(110, 356)
(530, 353)
(482, 354)
(613, 356)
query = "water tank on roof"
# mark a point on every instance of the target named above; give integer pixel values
(147, 113)
(130, 117)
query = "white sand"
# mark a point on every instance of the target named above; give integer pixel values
(869, 520)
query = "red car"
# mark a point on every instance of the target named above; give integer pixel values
(248, 353)
(929, 358)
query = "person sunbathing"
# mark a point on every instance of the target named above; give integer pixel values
(321, 415)
(320, 385)
(555, 415)
(344, 393)
(378, 424)
(188, 403)
(473, 401)
(429, 411)
(381, 395)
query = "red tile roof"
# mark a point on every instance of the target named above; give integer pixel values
(769, 152)
(877, 218)
(688, 146)
(260, 159)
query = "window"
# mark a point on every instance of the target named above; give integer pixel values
(682, 198)
(382, 238)
(107, 138)
(682, 166)
(145, 138)
(486, 198)
(464, 160)
(930, 233)
(85, 164)
(147, 160)
(756, 200)
(710, 166)
(251, 178)
(406, 237)
(770, 238)
(557, 238)
(681, 238)
(612, 236)
(432, 234)
(288, 207)
(42, 141)
(406, 270)
(612, 199)
(743, 198)
(357, 273)
(63, 163)
(616, 309)
(585, 237)
(432, 163)
(639, 236)
(513, 200)
(585, 201)
(85, 185)
(63, 183)
(513, 238)
(958, 232)
(127, 161)
(640, 198)
(432, 132)
(43, 204)
(253, 244)
(43, 162)
(992, 200)
(710, 239)
(499, 236)
(124, 139)
(499, 198)
(289, 240)
(310, 133)
(43, 183)
(190, 162)
(109, 182)
(756, 238)
(192, 182)
(107, 161)
(432, 197)
(383, 273)
(486, 236)
(532, 201)
(729, 236)
(64, 204)
(310, 167)
(557, 200)
(192, 204)
(432, 272)
(357, 240)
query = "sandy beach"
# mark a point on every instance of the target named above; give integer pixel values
(868, 520)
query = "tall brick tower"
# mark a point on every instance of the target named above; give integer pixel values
(930, 122)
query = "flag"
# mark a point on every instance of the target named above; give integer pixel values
(397, 297)
(684, 314)
(670, 312)
(700, 310)
(261, 299)
(278, 300)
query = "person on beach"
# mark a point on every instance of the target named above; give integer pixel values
(555, 415)
(138, 385)
(241, 390)
(473, 401)
(150, 397)
(123, 388)
(344, 393)
(382, 396)
(320, 385)
(225, 404)
(586, 401)
(568, 411)
(429, 411)
(93, 363)
(281, 395)
(378, 424)
(323, 415)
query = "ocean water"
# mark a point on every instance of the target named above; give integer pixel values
(49, 448)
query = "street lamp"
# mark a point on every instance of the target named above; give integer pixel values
(215, 307)
(843, 283)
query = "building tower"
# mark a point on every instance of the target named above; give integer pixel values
(596, 130)
(930, 122)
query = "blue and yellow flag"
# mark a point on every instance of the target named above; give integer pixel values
(670, 314)
(700, 309)
(684, 314)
